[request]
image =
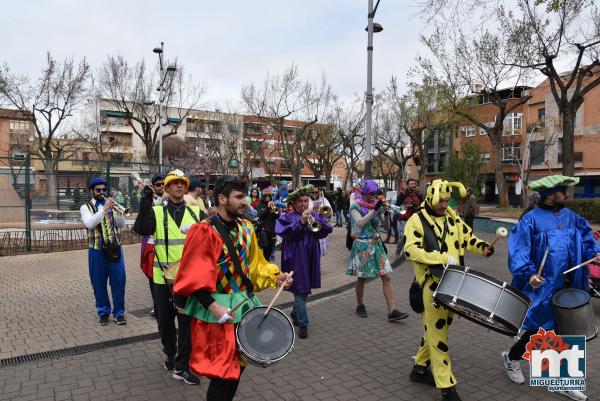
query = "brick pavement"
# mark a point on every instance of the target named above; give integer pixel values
(344, 358)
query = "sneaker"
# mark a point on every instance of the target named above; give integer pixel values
(169, 365)
(421, 374)
(187, 376)
(103, 320)
(574, 395)
(361, 310)
(397, 315)
(513, 369)
(120, 320)
(450, 394)
(294, 319)
(303, 332)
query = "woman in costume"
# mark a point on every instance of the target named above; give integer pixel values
(368, 258)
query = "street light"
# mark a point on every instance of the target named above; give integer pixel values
(371, 28)
(161, 89)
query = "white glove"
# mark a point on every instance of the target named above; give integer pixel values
(185, 228)
(452, 261)
(225, 318)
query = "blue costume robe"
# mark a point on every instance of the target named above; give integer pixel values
(571, 242)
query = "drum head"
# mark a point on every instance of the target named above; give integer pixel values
(570, 298)
(265, 339)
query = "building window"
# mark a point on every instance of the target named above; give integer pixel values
(511, 152)
(485, 157)
(19, 126)
(537, 152)
(482, 131)
(471, 130)
(542, 117)
(512, 124)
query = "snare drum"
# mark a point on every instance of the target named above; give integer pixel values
(573, 313)
(264, 340)
(482, 299)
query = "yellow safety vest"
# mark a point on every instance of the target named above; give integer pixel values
(176, 239)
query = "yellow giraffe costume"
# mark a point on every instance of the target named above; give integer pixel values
(459, 238)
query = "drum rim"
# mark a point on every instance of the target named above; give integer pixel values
(554, 304)
(491, 280)
(244, 352)
(482, 311)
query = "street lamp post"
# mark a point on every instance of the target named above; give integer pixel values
(371, 28)
(161, 98)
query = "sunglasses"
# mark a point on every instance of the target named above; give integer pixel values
(100, 190)
(159, 184)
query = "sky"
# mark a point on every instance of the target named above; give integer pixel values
(223, 44)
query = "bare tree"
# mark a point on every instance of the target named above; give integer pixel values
(51, 100)
(474, 71)
(282, 99)
(129, 89)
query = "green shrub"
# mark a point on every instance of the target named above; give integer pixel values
(586, 208)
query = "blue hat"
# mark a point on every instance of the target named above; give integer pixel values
(96, 181)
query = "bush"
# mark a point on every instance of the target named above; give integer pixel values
(586, 208)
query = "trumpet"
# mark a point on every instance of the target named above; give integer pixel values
(141, 182)
(275, 210)
(396, 209)
(125, 211)
(313, 225)
(325, 211)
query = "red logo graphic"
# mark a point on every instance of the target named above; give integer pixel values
(542, 341)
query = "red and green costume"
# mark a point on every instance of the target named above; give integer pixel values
(206, 265)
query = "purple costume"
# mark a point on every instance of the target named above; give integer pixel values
(300, 251)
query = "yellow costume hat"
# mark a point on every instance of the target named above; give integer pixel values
(442, 189)
(177, 175)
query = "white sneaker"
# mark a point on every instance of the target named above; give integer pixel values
(513, 369)
(574, 395)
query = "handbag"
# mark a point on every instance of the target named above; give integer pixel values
(415, 297)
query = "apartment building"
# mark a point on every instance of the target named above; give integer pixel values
(17, 134)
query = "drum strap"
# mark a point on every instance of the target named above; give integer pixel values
(431, 242)
(231, 249)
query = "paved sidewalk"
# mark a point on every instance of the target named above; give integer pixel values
(344, 358)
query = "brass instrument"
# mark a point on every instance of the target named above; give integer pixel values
(275, 210)
(313, 225)
(325, 211)
(125, 211)
(395, 209)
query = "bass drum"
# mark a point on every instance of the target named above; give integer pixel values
(573, 313)
(264, 340)
(482, 299)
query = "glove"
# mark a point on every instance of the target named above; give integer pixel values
(185, 228)
(224, 319)
(378, 205)
(147, 192)
(491, 248)
(452, 261)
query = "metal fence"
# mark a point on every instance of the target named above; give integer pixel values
(40, 200)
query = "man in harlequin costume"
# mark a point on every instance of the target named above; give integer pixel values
(209, 278)
(436, 236)
(569, 240)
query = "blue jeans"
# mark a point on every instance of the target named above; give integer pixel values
(101, 270)
(299, 309)
(338, 217)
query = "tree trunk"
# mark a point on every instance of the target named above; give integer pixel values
(568, 144)
(50, 170)
(500, 180)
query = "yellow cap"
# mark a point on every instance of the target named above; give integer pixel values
(177, 175)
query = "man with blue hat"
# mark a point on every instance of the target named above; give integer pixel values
(562, 239)
(105, 256)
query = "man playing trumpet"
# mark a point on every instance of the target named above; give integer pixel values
(105, 256)
(301, 231)
(319, 203)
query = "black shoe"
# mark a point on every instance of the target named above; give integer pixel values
(421, 374)
(169, 365)
(397, 315)
(103, 320)
(120, 320)
(361, 310)
(450, 394)
(294, 319)
(187, 376)
(303, 332)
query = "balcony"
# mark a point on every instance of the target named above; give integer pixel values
(21, 138)
(577, 156)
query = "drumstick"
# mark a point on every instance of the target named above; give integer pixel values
(501, 232)
(539, 273)
(587, 262)
(237, 306)
(276, 295)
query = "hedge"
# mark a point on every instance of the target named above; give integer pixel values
(587, 208)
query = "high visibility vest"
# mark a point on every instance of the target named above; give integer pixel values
(176, 239)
